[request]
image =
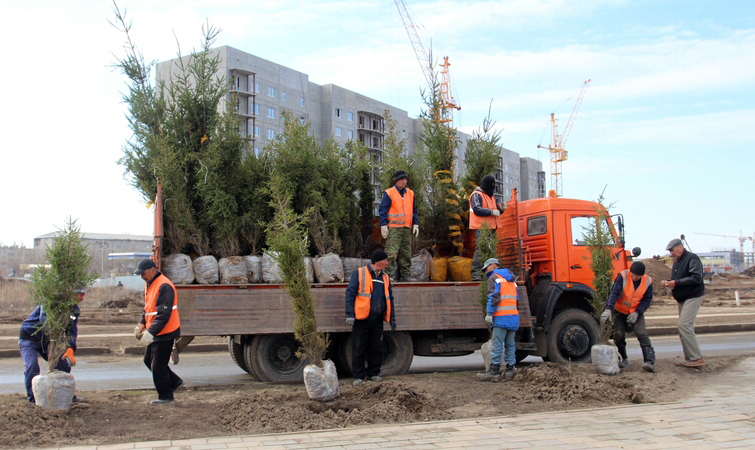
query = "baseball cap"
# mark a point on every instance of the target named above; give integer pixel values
(144, 264)
(490, 261)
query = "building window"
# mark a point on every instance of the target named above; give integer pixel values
(404, 134)
(257, 88)
(350, 134)
(338, 112)
(271, 112)
(271, 91)
(256, 151)
(301, 120)
(283, 95)
(256, 108)
(301, 100)
(270, 134)
(338, 131)
(350, 116)
(256, 130)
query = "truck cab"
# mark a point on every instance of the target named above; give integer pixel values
(554, 262)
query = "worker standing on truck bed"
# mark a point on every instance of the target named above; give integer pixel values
(630, 297)
(398, 221)
(369, 301)
(483, 209)
(687, 287)
(503, 317)
(158, 328)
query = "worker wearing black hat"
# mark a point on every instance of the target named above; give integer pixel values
(159, 326)
(630, 297)
(483, 211)
(398, 222)
(369, 302)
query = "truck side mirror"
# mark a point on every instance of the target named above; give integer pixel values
(636, 251)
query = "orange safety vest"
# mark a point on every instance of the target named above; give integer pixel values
(488, 202)
(630, 298)
(507, 303)
(150, 305)
(362, 301)
(402, 208)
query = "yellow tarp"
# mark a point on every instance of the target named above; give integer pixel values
(460, 269)
(439, 269)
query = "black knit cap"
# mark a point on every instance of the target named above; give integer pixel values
(488, 184)
(637, 268)
(398, 175)
(378, 255)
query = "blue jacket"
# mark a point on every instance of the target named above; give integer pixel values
(506, 322)
(32, 330)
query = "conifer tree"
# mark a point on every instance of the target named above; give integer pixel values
(598, 238)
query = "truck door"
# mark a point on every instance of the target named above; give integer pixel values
(579, 253)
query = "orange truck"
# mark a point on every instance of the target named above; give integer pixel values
(539, 239)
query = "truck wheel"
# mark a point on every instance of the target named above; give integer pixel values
(571, 335)
(398, 353)
(237, 353)
(272, 357)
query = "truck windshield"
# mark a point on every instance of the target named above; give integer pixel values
(580, 225)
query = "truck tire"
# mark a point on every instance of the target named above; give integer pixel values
(571, 335)
(237, 353)
(398, 353)
(272, 358)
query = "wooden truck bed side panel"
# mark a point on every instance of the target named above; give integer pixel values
(225, 310)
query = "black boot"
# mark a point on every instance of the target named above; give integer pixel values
(509, 373)
(624, 359)
(492, 373)
(648, 353)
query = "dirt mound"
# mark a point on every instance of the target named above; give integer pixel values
(373, 403)
(657, 271)
(565, 384)
(750, 272)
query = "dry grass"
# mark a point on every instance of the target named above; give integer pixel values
(14, 296)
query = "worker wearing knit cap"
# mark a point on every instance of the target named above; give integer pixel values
(483, 211)
(398, 222)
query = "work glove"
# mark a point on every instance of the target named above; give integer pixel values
(606, 316)
(489, 320)
(146, 339)
(632, 318)
(139, 331)
(495, 212)
(393, 325)
(384, 231)
(350, 321)
(415, 230)
(68, 356)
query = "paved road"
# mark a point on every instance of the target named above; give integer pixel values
(204, 369)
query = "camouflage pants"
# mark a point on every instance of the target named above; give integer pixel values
(398, 246)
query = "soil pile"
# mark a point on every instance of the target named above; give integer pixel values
(658, 272)
(113, 417)
(750, 272)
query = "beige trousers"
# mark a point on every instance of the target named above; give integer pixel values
(687, 313)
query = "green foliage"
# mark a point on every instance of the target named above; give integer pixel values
(487, 245)
(52, 288)
(185, 136)
(481, 156)
(287, 238)
(598, 238)
(441, 222)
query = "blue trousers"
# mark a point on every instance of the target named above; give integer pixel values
(503, 337)
(29, 351)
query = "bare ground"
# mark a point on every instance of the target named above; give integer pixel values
(111, 417)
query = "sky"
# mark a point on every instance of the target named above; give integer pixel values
(666, 128)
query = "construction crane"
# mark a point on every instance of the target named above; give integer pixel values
(449, 104)
(741, 238)
(556, 148)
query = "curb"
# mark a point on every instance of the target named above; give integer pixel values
(208, 348)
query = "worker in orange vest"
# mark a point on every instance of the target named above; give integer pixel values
(398, 222)
(483, 209)
(630, 297)
(503, 317)
(159, 326)
(369, 302)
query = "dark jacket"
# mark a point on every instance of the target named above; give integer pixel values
(377, 299)
(688, 274)
(31, 329)
(164, 307)
(618, 288)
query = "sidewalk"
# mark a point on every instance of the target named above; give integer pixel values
(720, 416)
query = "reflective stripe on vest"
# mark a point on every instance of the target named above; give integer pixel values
(488, 202)
(150, 305)
(402, 208)
(507, 303)
(630, 298)
(364, 295)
